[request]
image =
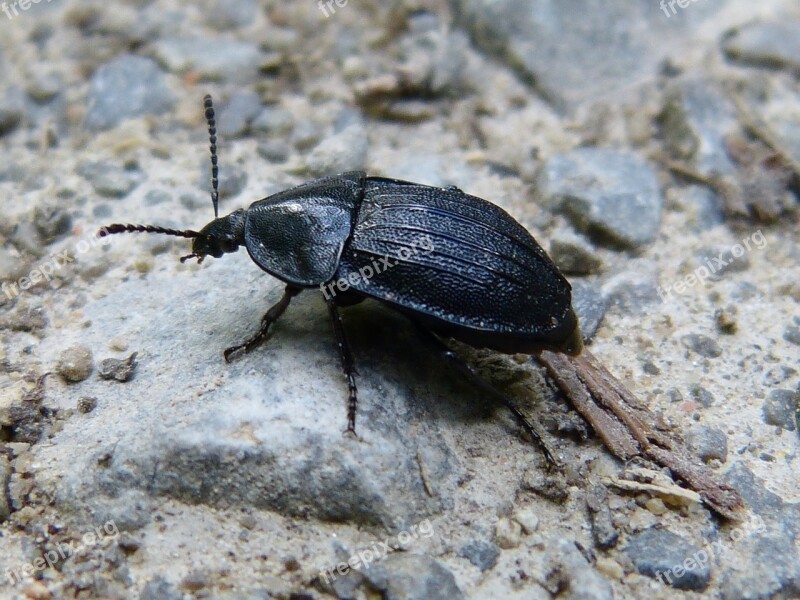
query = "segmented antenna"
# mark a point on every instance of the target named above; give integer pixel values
(121, 228)
(212, 139)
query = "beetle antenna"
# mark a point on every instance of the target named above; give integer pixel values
(208, 104)
(120, 228)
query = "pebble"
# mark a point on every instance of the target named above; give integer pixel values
(75, 363)
(411, 577)
(222, 14)
(124, 88)
(702, 345)
(568, 569)
(481, 554)
(118, 369)
(276, 151)
(273, 121)
(780, 407)
(507, 533)
(110, 180)
(52, 222)
(346, 150)
(792, 335)
(612, 196)
(669, 558)
(86, 404)
(708, 443)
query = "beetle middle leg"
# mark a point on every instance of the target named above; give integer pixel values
(272, 315)
(465, 369)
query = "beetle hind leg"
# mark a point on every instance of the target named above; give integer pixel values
(472, 376)
(347, 365)
(272, 315)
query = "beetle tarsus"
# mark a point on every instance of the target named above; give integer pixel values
(272, 315)
(347, 364)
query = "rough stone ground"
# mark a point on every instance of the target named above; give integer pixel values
(639, 148)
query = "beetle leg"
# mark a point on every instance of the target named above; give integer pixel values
(347, 364)
(267, 320)
(486, 387)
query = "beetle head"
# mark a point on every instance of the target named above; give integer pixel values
(220, 236)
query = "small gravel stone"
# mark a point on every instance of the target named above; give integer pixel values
(481, 554)
(411, 577)
(702, 345)
(116, 369)
(153, 197)
(110, 180)
(701, 395)
(507, 533)
(223, 14)
(276, 151)
(780, 407)
(126, 87)
(613, 196)
(528, 518)
(726, 320)
(667, 557)
(86, 404)
(75, 363)
(708, 443)
(273, 121)
(343, 151)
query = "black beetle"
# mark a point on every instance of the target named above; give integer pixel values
(482, 278)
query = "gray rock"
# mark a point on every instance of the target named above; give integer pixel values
(86, 404)
(708, 443)
(480, 553)
(568, 569)
(404, 576)
(212, 59)
(773, 570)
(159, 588)
(5, 474)
(720, 261)
(780, 407)
(235, 116)
(667, 557)
(75, 363)
(278, 443)
(702, 345)
(696, 118)
(11, 115)
(110, 180)
(774, 44)
(611, 195)
(590, 305)
(124, 88)
(701, 395)
(603, 529)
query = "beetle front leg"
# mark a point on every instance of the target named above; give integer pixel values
(486, 387)
(267, 320)
(347, 364)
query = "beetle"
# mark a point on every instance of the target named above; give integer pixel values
(482, 278)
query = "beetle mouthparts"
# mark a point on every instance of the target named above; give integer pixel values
(199, 257)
